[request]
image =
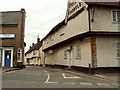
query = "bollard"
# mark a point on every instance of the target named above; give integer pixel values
(89, 68)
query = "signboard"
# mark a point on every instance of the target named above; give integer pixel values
(7, 35)
(73, 7)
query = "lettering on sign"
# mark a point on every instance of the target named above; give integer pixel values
(73, 7)
(7, 35)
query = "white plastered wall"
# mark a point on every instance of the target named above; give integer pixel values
(57, 57)
(106, 52)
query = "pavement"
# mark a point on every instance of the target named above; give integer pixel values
(9, 69)
(107, 76)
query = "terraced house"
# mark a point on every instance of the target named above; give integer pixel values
(87, 38)
(12, 38)
(34, 56)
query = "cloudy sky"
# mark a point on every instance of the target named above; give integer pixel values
(41, 16)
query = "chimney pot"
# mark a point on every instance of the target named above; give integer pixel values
(38, 39)
(32, 44)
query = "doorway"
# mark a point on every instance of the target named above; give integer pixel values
(7, 58)
(0, 57)
(69, 58)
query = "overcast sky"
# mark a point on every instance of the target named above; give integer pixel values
(41, 16)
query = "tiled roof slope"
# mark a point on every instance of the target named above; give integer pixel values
(103, 2)
(35, 47)
(10, 17)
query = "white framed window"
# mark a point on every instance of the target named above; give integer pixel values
(118, 49)
(34, 52)
(65, 54)
(19, 55)
(116, 16)
(78, 51)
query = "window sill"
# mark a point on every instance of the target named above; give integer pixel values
(118, 58)
(78, 58)
(65, 58)
(115, 22)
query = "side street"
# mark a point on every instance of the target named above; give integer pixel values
(46, 77)
(82, 50)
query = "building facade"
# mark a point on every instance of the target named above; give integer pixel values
(12, 38)
(88, 37)
(34, 56)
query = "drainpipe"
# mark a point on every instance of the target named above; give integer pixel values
(89, 19)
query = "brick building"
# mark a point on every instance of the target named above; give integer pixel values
(12, 25)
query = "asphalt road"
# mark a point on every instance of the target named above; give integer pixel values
(44, 77)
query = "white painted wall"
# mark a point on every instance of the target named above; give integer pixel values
(103, 19)
(58, 54)
(85, 59)
(106, 52)
(75, 26)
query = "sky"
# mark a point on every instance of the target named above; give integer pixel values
(41, 16)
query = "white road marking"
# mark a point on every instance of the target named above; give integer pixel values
(88, 76)
(103, 84)
(69, 76)
(52, 82)
(115, 84)
(45, 71)
(69, 83)
(85, 83)
(48, 78)
(99, 76)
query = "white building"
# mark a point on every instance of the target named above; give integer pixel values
(33, 55)
(87, 37)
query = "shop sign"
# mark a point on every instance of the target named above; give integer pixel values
(7, 35)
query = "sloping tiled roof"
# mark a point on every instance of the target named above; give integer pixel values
(103, 2)
(35, 47)
(10, 17)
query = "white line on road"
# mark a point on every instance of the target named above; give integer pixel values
(69, 76)
(115, 84)
(52, 82)
(85, 83)
(45, 71)
(48, 78)
(103, 84)
(69, 83)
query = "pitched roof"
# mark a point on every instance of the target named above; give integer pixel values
(10, 17)
(35, 47)
(103, 2)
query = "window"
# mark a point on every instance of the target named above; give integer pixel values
(33, 52)
(19, 55)
(0, 56)
(65, 54)
(116, 16)
(78, 51)
(118, 49)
